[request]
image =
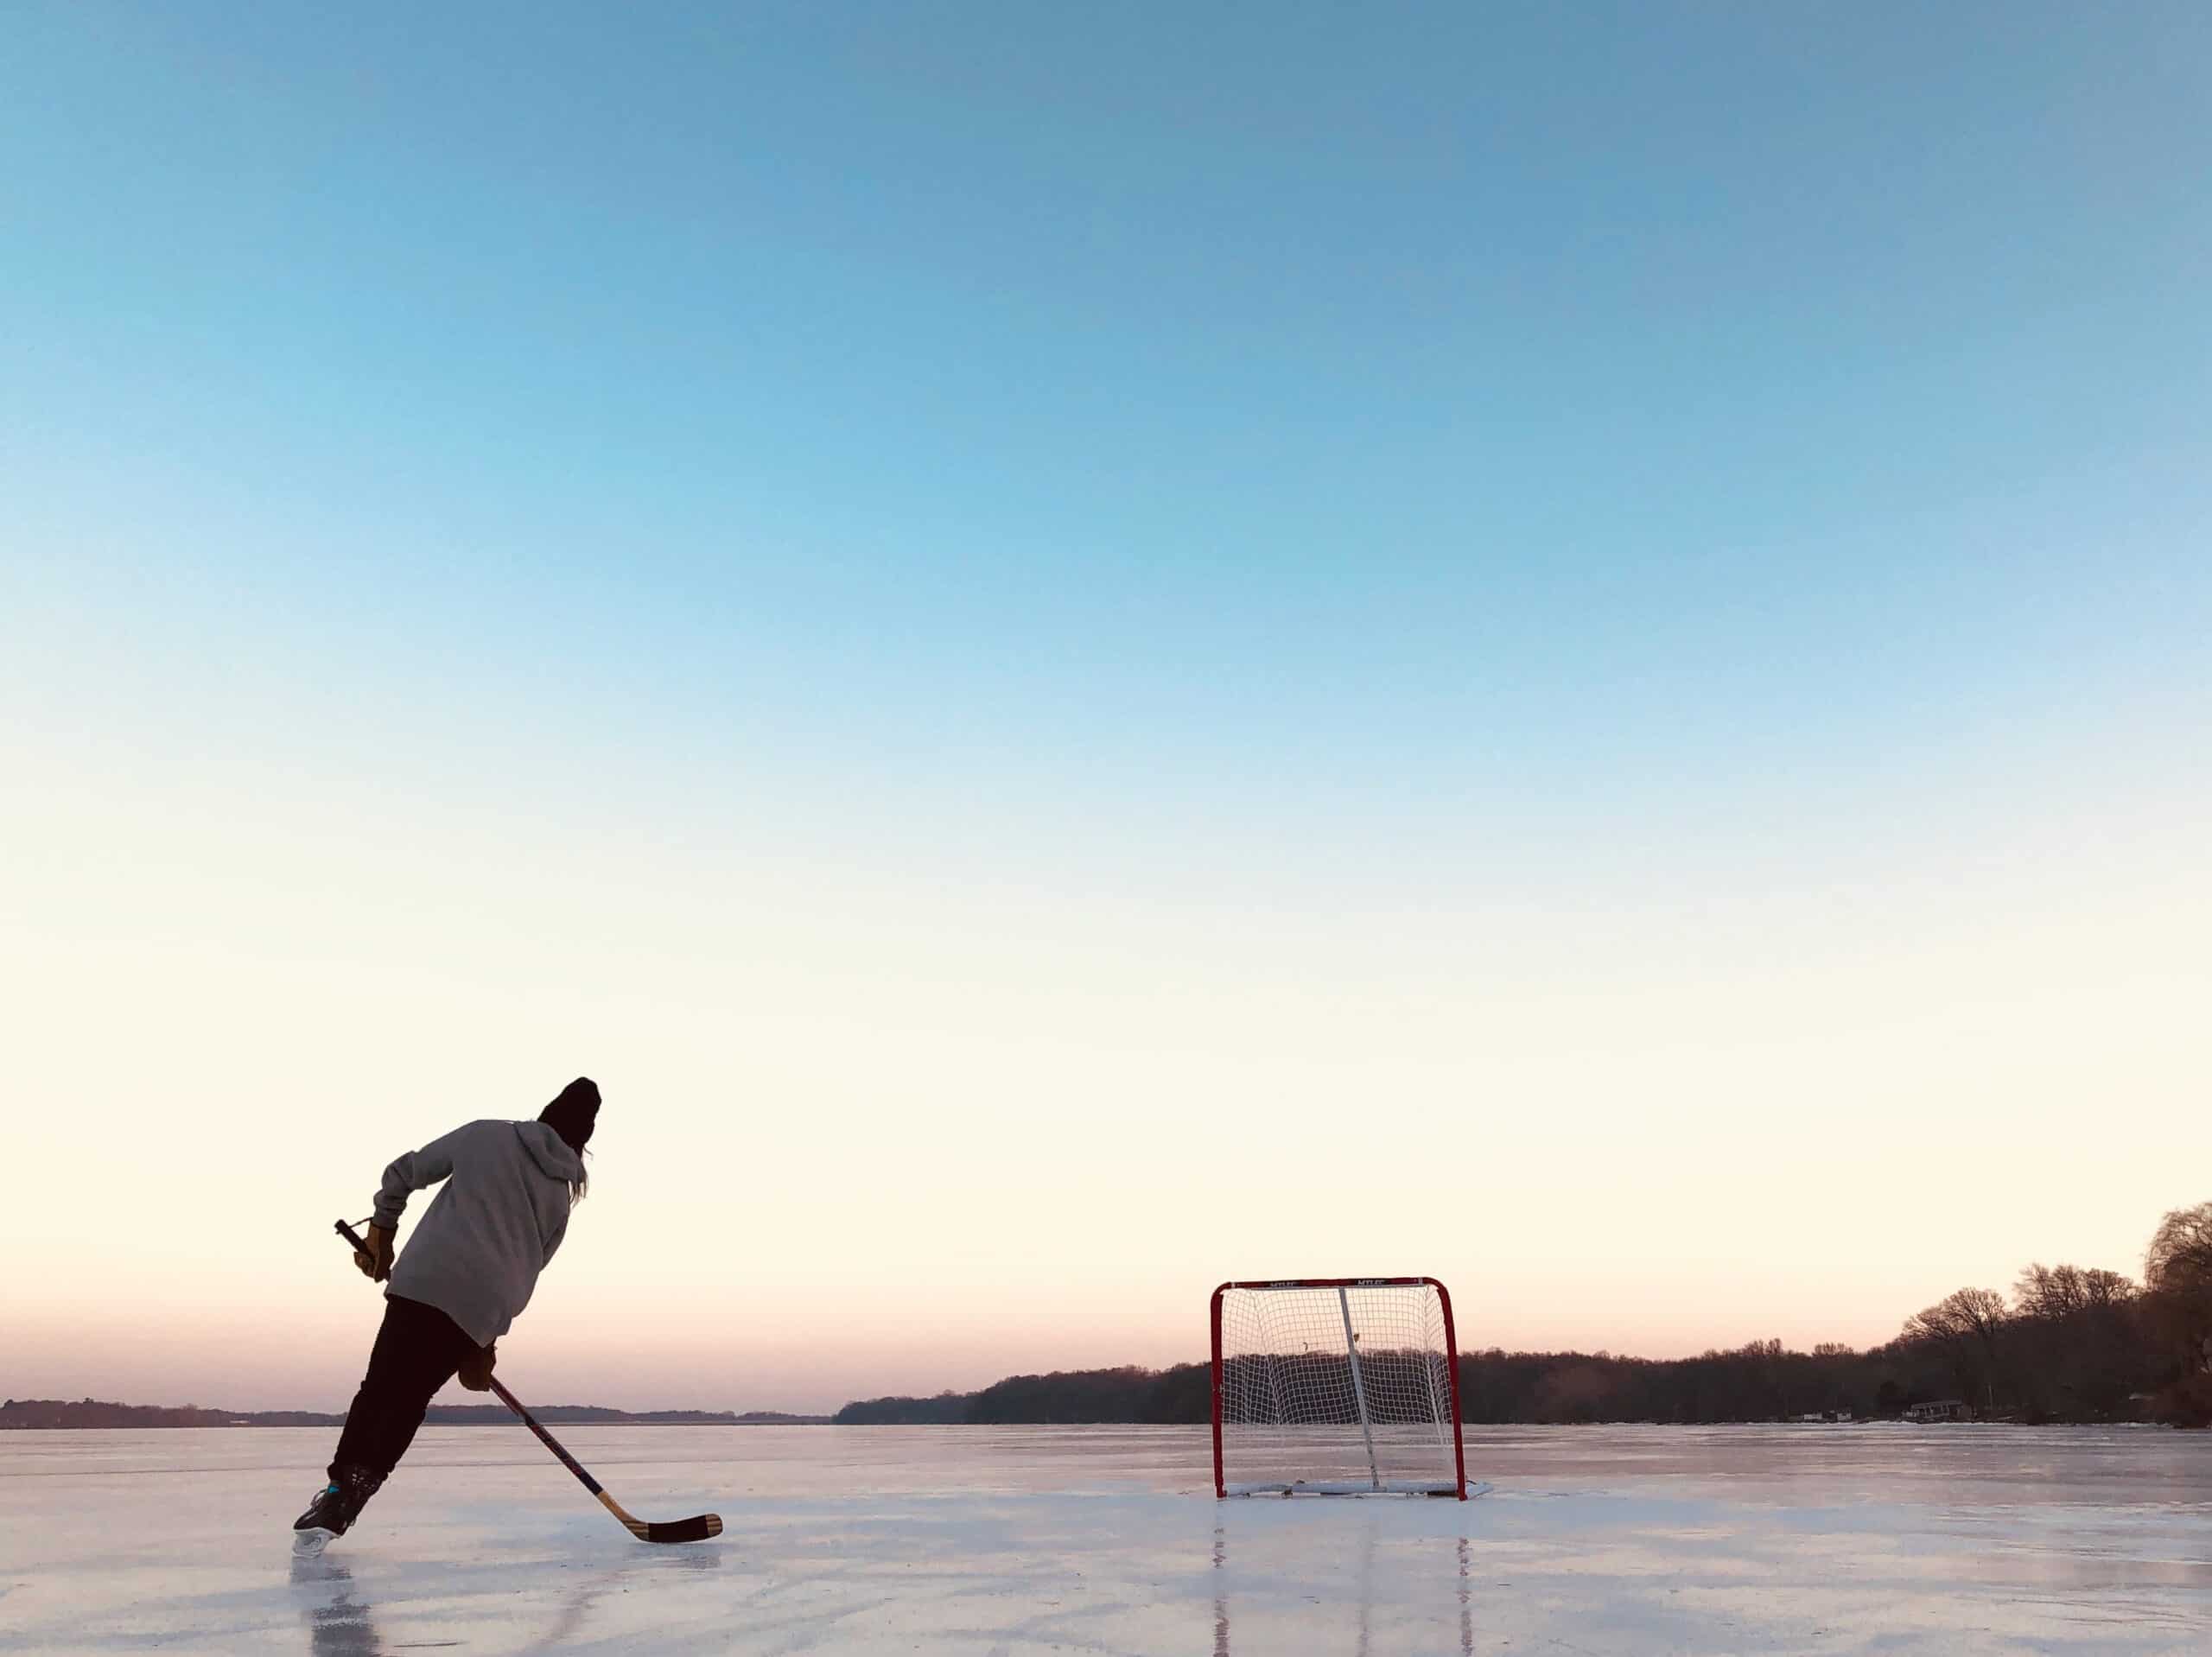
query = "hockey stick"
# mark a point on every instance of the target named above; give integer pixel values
(698, 1529)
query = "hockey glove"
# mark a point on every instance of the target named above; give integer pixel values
(375, 1263)
(476, 1367)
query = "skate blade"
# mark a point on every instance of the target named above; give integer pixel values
(309, 1543)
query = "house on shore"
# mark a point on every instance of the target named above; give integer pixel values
(1949, 1409)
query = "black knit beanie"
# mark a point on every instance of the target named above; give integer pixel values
(572, 1114)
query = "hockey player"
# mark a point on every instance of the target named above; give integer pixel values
(465, 1275)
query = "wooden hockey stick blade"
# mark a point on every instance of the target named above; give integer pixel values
(698, 1529)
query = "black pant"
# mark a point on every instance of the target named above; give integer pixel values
(418, 1351)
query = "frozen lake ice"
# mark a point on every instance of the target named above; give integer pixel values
(1107, 1539)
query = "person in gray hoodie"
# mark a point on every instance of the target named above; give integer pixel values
(462, 1280)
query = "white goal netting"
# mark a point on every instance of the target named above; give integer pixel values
(1335, 1387)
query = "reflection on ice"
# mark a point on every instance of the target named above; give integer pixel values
(1933, 1543)
(337, 1624)
(1381, 1581)
(1466, 1599)
(340, 1624)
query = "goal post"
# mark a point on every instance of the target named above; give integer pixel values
(1340, 1385)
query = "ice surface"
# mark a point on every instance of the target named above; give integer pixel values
(1017, 1540)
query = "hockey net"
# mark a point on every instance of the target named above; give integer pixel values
(1336, 1387)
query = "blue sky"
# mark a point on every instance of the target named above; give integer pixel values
(1270, 367)
(1328, 491)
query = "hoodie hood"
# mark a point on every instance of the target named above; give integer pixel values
(550, 1151)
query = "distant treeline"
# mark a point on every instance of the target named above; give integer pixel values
(94, 1412)
(2070, 1345)
(472, 1415)
(97, 1412)
(1065, 1397)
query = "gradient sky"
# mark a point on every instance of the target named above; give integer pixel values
(1082, 650)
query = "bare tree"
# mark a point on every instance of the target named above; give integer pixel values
(2180, 1248)
(2048, 1290)
(2177, 1271)
(2063, 1291)
(1968, 1321)
(2104, 1289)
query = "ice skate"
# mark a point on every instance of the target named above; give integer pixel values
(333, 1510)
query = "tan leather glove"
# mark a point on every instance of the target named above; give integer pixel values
(375, 1264)
(476, 1368)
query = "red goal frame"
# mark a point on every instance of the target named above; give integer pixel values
(1450, 1355)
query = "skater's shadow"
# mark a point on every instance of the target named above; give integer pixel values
(337, 1624)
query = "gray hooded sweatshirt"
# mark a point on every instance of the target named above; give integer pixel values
(478, 1252)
